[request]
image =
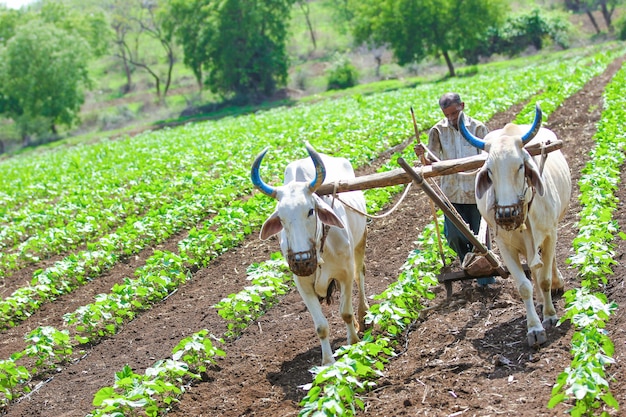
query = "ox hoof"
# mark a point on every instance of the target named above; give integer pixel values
(549, 322)
(536, 338)
(557, 292)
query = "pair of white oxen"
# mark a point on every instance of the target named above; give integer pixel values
(324, 241)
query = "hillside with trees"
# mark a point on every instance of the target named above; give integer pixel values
(77, 68)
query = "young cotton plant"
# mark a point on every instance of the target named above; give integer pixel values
(13, 378)
(162, 384)
(49, 347)
(335, 388)
(592, 351)
(269, 281)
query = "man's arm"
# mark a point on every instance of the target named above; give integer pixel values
(434, 147)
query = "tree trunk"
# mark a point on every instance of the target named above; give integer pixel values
(606, 13)
(446, 55)
(129, 77)
(170, 68)
(593, 21)
(304, 6)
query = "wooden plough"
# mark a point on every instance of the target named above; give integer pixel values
(417, 175)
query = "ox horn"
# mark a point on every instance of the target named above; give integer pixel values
(535, 127)
(256, 177)
(472, 139)
(320, 170)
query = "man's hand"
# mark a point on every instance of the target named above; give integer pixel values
(419, 150)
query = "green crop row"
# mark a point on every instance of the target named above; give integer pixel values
(162, 384)
(587, 308)
(335, 388)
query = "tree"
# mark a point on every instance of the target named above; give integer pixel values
(521, 30)
(135, 23)
(416, 29)
(189, 22)
(92, 26)
(122, 30)
(43, 70)
(248, 58)
(606, 7)
(240, 44)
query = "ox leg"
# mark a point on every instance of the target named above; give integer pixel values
(545, 278)
(536, 333)
(360, 280)
(306, 289)
(345, 307)
(558, 284)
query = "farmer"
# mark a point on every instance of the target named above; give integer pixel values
(445, 142)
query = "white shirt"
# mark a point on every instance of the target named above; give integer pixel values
(446, 142)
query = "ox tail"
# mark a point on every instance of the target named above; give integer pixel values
(332, 285)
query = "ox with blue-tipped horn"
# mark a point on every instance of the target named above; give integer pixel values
(320, 172)
(322, 238)
(480, 144)
(522, 199)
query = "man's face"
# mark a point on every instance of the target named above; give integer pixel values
(452, 113)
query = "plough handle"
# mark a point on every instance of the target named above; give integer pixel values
(418, 179)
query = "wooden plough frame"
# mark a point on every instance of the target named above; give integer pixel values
(417, 175)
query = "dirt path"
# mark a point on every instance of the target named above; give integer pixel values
(447, 367)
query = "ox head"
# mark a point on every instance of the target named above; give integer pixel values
(509, 171)
(300, 214)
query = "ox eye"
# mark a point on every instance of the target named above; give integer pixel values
(311, 211)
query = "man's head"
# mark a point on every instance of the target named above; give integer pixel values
(451, 105)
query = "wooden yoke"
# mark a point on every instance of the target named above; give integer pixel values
(400, 176)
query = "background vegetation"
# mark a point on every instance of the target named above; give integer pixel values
(121, 67)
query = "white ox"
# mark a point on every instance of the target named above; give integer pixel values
(318, 258)
(523, 206)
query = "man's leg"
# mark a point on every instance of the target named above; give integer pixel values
(471, 215)
(456, 239)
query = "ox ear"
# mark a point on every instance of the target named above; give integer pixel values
(483, 182)
(326, 214)
(271, 226)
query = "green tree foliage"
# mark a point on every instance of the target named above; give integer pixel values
(342, 75)
(621, 28)
(415, 29)
(42, 72)
(190, 23)
(239, 43)
(92, 26)
(520, 31)
(9, 20)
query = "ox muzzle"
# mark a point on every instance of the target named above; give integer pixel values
(302, 263)
(511, 217)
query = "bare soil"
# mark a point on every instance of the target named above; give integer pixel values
(466, 358)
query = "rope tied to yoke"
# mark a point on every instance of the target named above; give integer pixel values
(370, 216)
